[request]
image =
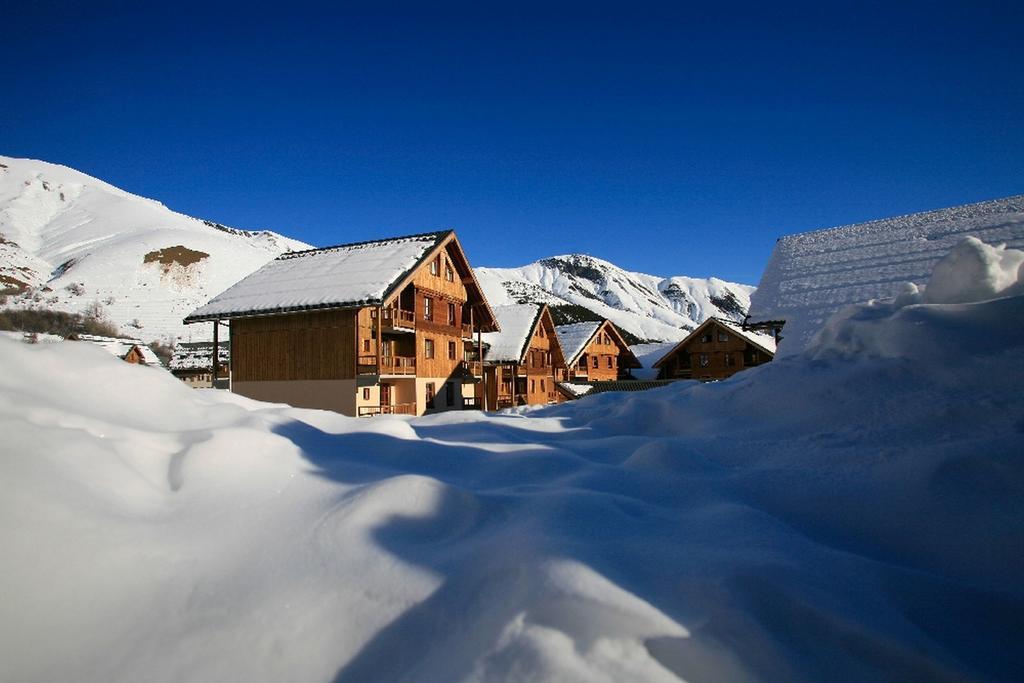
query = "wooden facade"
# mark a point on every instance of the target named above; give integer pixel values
(532, 378)
(605, 357)
(715, 350)
(406, 354)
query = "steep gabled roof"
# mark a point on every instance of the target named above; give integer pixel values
(811, 275)
(764, 342)
(518, 322)
(344, 276)
(576, 337)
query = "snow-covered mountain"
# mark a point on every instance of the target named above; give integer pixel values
(648, 307)
(69, 241)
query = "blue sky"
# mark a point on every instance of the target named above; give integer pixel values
(675, 140)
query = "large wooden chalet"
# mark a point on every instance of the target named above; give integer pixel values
(595, 352)
(384, 326)
(716, 349)
(524, 360)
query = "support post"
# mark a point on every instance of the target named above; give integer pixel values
(213, 356)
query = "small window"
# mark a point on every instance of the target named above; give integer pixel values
(366, 346)
(435, 266)
(723, 336)
(428, 348)
(609, 362)
(451, 314)
(704, 360)
(428, 308)
(449, 394)
(451, 351)
(542, 386)
(430, 393)
(533, 386)
(595, 363)
(366, 393)
(730, 361)
(449, 274)
(706, 338)
(547, 358)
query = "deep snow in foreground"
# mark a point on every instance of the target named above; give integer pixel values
(853, 513)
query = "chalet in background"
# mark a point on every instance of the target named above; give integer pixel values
(716, 349)
(595, 352)
(133, 351)
(384, 326)
(192, 363)
(524, 360)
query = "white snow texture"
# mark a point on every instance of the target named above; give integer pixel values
(852, 513)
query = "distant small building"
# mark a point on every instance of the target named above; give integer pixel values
(716, 349)
(129, 350)
(192, 363)
(524, 359)
(595, 352)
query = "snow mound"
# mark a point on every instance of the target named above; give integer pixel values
(836, 514)
(975, 271)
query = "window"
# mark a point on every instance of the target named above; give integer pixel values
(366, 393)
(595, 363)
(449, 274)
(451, 314)
(428, 308)
(435, 266)
(542, 386)
(547, 358)
(729, 360)
(722, 336)
(428, 348)
(609, 362)
(430, 393)
(366, 346)
(704, 360)
(706, 338)
(533, 386)
(451, 350)
(583, 363)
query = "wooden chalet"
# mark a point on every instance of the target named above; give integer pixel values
(595, 352)
(384, 326)
(134, 351)
(717, 349)
(524, 360)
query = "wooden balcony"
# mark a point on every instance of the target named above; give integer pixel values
(467, 331)
(389, 365)
(507, 401)
(396, 409)
(397, 319)
(473, 367)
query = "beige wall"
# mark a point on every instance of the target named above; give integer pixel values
(338, 395)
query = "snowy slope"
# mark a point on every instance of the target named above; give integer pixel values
(840, 515)
(73, 240)
(647, 306)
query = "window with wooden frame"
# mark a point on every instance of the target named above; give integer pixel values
(730, 360)
(449, 273)
(451, 313)
(428, 348)
(706, 338)
(596, 362)
(366, 346)
(435, 266)
(542, 387)
(366, 393)
(723, 336)
(430, 393)
(703, 360)
(428, 308)
(452, 352)
(609, 362)
(533, 386)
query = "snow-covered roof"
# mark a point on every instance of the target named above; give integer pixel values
(574, 338)
(196, 355)
(812, 275)
(574, 389)
(122, 346)
(517, 322)
(363, 273)
(765, 342)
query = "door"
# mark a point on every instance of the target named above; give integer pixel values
(385, 396)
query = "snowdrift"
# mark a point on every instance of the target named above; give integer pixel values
(856, 512)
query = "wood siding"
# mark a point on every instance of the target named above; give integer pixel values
(298, 346)
(716, 352)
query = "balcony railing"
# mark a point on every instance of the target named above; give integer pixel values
(507, 401)
(396, 409)
(389, 365)
(473, 367)
(398, 318)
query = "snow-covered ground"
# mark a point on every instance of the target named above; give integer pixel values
(854, 512)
